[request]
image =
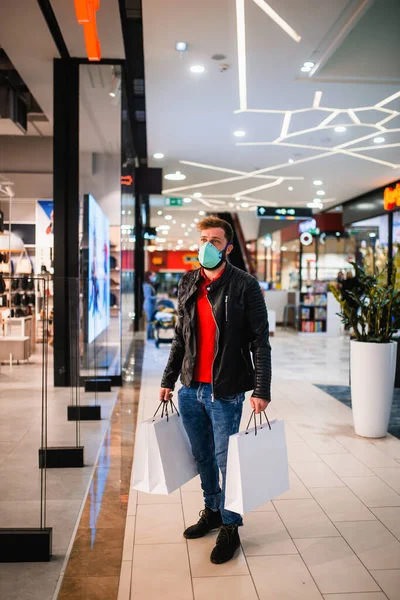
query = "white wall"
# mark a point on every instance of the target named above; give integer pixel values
(250, 225)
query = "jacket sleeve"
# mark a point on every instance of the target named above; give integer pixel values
(177, 353)
(257, 318)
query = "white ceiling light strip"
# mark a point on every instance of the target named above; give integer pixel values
(387, 119)
(285, 124)
(317, 99)
(278, 20)
(361, 139)
(370, 159)
(354, 117)
(261, 187)
(388, 100)
(376, 147)
(241, 43)
(234, 171)
(326, 121)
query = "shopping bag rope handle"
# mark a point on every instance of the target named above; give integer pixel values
(253, 415)
(164, 411)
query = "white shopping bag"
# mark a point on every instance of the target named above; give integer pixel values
(257, 469)
(163, 457)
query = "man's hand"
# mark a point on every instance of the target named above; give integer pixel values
(165, 394)
(258, 405)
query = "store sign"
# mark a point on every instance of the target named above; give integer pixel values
(173, 201)
(391, 197)
(283, 213)
(310, 225)
(306, 238)
(85, 11)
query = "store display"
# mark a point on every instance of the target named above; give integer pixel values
(313, 309)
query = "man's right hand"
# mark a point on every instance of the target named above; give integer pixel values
(165, 394)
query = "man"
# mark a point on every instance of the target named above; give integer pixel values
(221, 317)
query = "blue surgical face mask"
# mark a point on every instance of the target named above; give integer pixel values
(210, 257)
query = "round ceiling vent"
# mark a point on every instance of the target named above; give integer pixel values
(218, 57)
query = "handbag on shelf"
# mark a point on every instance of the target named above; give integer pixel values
(24, 264)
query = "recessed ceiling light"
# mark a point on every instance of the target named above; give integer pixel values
(305, 69)
(197, 195)
(168, 217)
(186, 233)
(309, 64)
(245, 205)
(112, 94)
(181, 46)
(283, 249)
(314, 205)
(196, 220)
(340, 129)
(177, 176)
(159, 212)
(187, 200)
(379, 140)
(290, 188)
(173, 222)
(320, 193)
(183, 225)
(291, 161)
(202, 213)
(239, 133)
(317, 182)
(180, 241)
(158, 155)
(197, 69)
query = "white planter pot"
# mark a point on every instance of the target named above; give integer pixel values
(373, 369)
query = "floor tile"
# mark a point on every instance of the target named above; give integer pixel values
(129, 537)
(124, 588)
(264, 534)
(360, 596)
(267, 507)
(199, 555)
(389, 582)
(301, 452)
(372, 491)
(325, 444)
(161, 524)
(340, 504)
(316, 475)
(305, 518)
(334, 566)
(174, 498)
(374, 545)
(347, 465)
(390, 517)
(194, 485)
(297, 490)
(132, 503)
(282, 578)
(224, 588)
(89, 588)
(161, 571)
(390, 476)
(193, 503)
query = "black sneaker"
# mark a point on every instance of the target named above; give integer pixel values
(209, 520)
(228, 541)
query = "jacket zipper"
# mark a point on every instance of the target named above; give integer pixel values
(215, 353)
(226, 309)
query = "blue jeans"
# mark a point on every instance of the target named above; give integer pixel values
(209, 424)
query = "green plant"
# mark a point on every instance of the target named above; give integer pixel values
(372, 309)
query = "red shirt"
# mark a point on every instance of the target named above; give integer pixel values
(206, 332)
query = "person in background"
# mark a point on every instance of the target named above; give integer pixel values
(340, 278)
(149, 301)
(221, 350)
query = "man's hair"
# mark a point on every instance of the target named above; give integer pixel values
(212, 222)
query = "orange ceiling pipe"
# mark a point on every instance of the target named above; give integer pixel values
(85, 11)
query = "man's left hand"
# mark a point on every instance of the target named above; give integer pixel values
(258, 405)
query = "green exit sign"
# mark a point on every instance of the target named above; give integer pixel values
(173, 201)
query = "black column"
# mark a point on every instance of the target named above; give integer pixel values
(139, 254)
(66, 208)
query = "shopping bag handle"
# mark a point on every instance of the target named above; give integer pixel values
(253, 415)
(164, 411)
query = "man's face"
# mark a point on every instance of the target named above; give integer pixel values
(215, 235)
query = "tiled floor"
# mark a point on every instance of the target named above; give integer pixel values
(334, 535)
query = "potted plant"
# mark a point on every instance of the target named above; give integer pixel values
(372, 311)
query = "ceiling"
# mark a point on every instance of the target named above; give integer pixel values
(287, 115)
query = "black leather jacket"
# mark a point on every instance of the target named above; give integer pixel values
(242, 326)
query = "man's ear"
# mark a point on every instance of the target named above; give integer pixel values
(229, 249)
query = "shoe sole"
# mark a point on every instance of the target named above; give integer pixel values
(197, 537)
(221, 562)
